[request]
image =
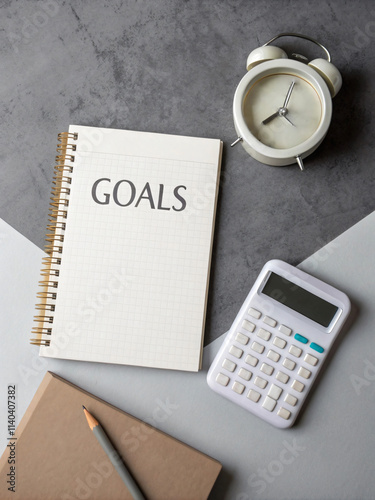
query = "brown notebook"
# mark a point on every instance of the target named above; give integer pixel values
(57, 457)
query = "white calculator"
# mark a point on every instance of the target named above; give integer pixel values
(278, 343)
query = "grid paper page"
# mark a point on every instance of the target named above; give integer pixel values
(133, 280)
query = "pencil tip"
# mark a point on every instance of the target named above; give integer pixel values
(83, 407)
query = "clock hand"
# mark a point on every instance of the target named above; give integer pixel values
(286, 118)
(283, 110)
(280, 112)
(270, 118)
(289, 93)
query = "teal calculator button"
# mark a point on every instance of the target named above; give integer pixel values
(301, 338)
(316, 347)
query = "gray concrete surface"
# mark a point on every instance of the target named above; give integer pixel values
(172, 67)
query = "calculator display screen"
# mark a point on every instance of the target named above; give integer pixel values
(299, 299)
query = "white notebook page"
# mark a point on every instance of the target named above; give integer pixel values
(135, 264)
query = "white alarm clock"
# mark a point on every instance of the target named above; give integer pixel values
(282, 107)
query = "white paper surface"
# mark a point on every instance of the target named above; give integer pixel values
(328, 454)
(136, 252)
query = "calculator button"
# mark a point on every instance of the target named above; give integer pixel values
(288, 363)
(235, 351)
(241, 338)
(301, 338)
(267, 369)
(251, 360)
(257, 347)
(254, 313)
(238, 388)
(275, 392)
(311, 360)
(269, 321)
(264, 334)
(260, 382)
(284, 413)
(278, 342)
(291, 400)
(302, 372)
(229, 365)
(316, 347)
(222, 379)
(247, 325)
(297, 386)
(282, 377)
(273, 356)
(253, 395)
(269, 404)
(285, 330)
(245, 374)
(296, 351)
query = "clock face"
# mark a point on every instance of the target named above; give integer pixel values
(282, 110)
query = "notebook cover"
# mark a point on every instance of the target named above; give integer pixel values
(58, 457)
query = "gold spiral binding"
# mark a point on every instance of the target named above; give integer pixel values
(61, 148)
(55, 214)
(56, 226)
(44, 307)
(50, 272)
(64, 157)
(45, 295)
(65, 136)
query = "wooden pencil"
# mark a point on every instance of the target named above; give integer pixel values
(114, 457)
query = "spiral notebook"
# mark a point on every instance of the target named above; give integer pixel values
(129, 247)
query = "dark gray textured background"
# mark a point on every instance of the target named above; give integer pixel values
(172, 67)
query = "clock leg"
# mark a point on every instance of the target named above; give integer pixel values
(300, 163)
